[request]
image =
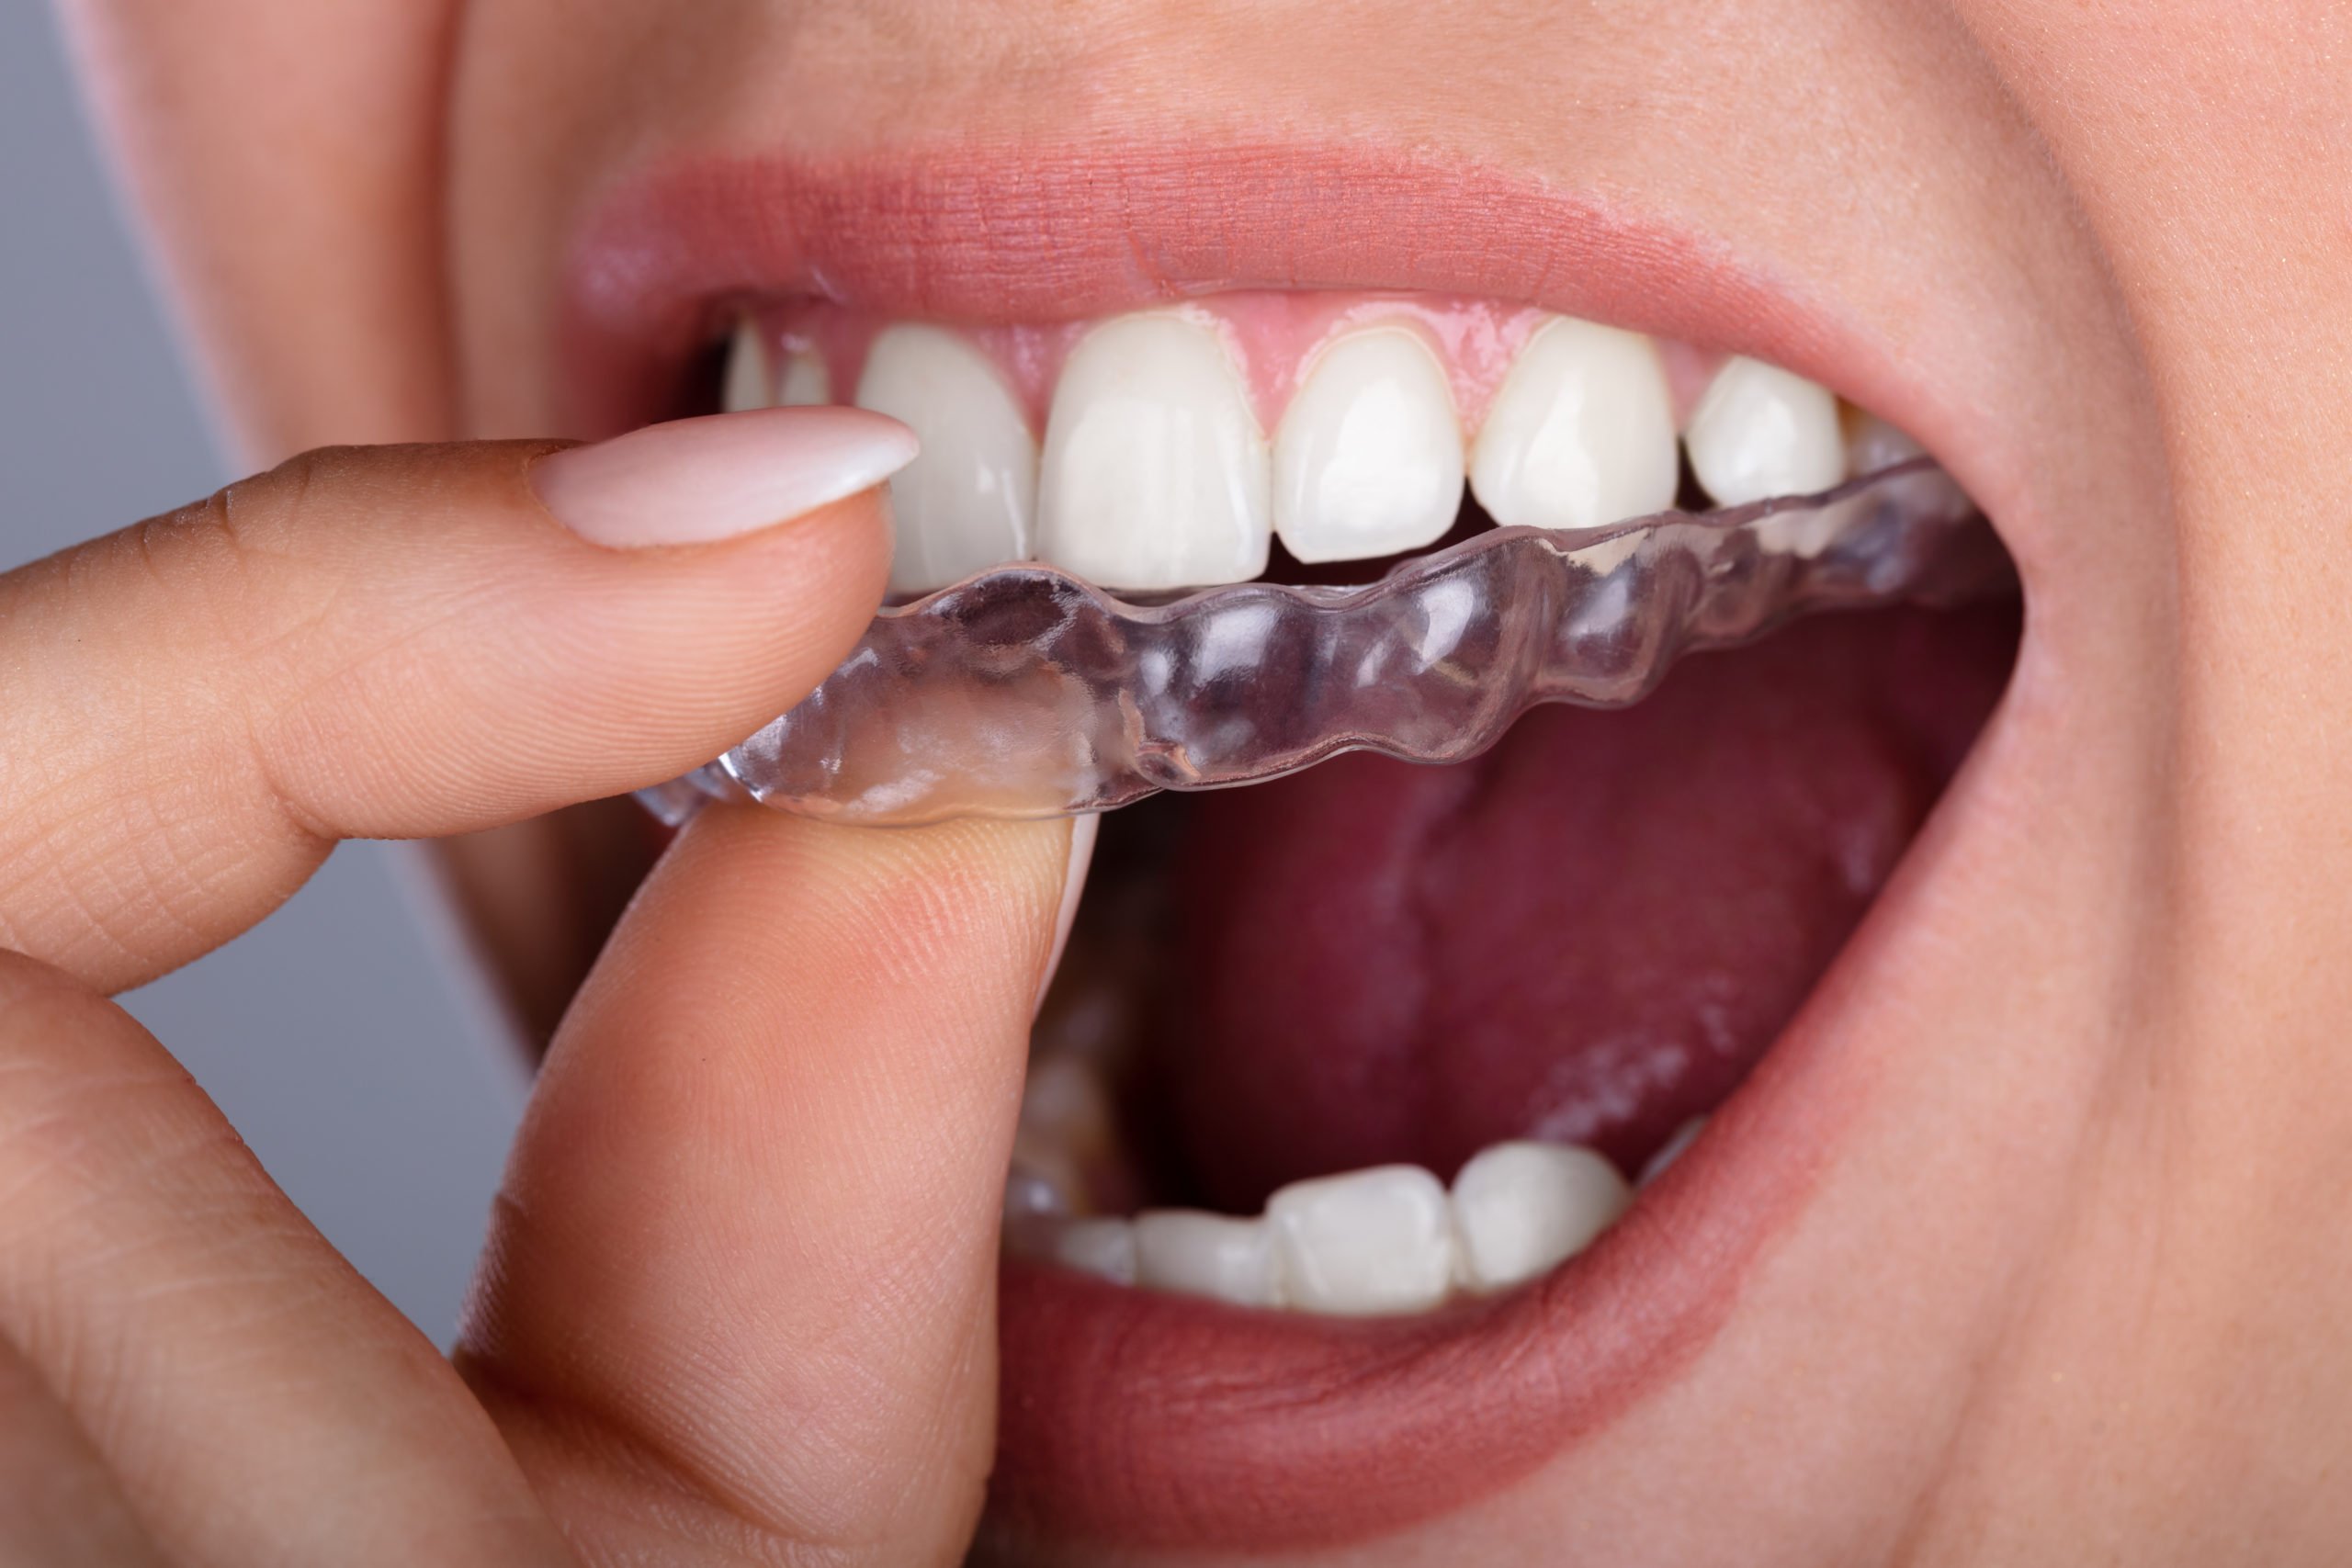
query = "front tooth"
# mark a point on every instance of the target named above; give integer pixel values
(1759, 431)
(965, 504)
(1364, 1243)
(1368, 460)
(1521, 1208)
(1155, 473)
(1581, 434)
(1206, 1255)
(807, 383)
(1103, 1248)
(750, 384)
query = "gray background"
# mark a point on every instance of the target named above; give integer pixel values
(356, 1055)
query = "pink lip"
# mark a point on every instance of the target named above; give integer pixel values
(1143, 1420)
(1138, 1419)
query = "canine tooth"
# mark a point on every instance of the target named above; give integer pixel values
(1671, 1150)
(750, 384)
(1759, 431)
(807, 383)
(1364, 1243)
(1368, 460)
(1206, 1255)
(1522, 1207)
(965, 504)
(1155, 474)
(1103, 1248)
(1581, 434)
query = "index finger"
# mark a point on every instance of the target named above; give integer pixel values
(406, 642)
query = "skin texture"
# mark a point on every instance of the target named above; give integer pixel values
(215, 698)
(2075, 1285)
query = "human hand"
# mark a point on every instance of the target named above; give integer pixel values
(739, 1295)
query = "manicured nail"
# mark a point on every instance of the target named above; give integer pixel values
(693, 480)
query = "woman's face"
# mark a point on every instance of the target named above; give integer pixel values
(2012, 1242)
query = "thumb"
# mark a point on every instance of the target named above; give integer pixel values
(740, 1284)
(403, 642)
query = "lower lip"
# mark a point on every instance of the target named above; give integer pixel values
(1136, 1419)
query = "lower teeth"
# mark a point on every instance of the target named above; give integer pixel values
(1389, 1240)
(1023, 693)
(1385, 1241)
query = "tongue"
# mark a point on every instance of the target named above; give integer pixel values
(1588, 934)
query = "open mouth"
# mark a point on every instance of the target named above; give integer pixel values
(1342, 1195)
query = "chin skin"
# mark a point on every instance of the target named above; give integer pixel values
(2072, 1286)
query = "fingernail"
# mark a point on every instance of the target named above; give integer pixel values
(693, 480)
(1081, 855)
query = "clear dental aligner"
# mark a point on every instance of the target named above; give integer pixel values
(1024, 692)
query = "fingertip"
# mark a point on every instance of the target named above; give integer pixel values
(407, 642)
(493, 664)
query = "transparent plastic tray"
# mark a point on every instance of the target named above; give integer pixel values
(1024, 692)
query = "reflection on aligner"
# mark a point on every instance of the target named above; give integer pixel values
(1025, 693)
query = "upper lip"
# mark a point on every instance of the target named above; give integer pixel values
(1166, 1422)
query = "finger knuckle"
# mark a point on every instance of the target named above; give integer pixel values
(257, 566)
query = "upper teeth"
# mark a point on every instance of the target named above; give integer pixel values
(1582, 433)
(749, 381)
(1387, 1240)
(1157, 474)
(1760, 432)
(965, 504)
(806, 381)
(1368, 460)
